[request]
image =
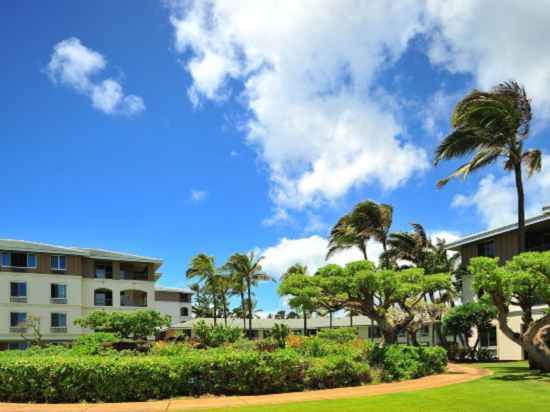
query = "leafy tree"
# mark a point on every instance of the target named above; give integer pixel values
(373, 220)
(135, 325)
(524, 281)
(463, 319)
(280, 332)
(301, 290)
(493, 125)
(375, 293)
(345, 235)
(204, 267)
(249, 268)
(323, 278)
(281, 314)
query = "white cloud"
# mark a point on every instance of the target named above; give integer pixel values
(437, 111)
(447, 236)
(74, 65)
(495, 41)
(198, 195)
(495, 199)
(314, 117)
(309, 251)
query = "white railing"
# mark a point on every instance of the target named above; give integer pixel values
(18, 299)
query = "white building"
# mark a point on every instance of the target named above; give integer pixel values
(55, 285)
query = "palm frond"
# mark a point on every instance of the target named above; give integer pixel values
(532, 159)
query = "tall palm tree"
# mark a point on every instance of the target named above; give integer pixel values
(204, 267)
(239, 288)
(373, 220)
(345, 236)
(489, 126)
(249, 268)
(413, 247)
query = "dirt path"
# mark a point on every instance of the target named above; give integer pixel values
(455, 374)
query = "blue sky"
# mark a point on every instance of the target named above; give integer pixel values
(174, 128)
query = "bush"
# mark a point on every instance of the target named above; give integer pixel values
(340, 335)
(215, 335)
(399, 362)
(93, 343)
(335, 372)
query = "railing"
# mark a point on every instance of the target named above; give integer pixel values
(58, 329)
(58, 301)
(133, 303)
(18, 329)
(18, 299)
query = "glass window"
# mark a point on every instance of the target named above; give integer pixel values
(59, 320)
(6, 259)
(58, 291)
(59, 262)
(16, 318)
(489, 337)
(184, 311)
(104, 271)
(487, 249)
(103, 297)
(18, 289)
(31, 261)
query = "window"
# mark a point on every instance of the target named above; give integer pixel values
(487, 249)
(104, 271)
(58, 293)
(184, 311)
(18, 345)
(18, 292)
(59, 320)
(58, 262)
(103, 297)
(425, 330)
(374, 332)
(18, 260)
(489, 337)
(17, 319)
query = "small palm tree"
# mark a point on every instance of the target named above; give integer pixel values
(204, 267)
(413, 247)
(345, 236)
(248, 268)
(489, 126)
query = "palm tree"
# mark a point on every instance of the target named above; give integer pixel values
(224, 288)
(373, 220)
(249, 268)
(489, 126)
(344, 236)
(204, 267)
(413, 247)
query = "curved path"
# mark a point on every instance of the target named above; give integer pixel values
(455, 374)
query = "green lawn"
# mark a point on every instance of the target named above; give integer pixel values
(512, 388)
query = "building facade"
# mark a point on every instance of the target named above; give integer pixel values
(502, 242)
(48, 287)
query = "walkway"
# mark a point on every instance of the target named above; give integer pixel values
(455, 374)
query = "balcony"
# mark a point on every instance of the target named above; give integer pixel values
(18, 299)
(134, 271)
(133, 298)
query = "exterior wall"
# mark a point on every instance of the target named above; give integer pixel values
(172, 309)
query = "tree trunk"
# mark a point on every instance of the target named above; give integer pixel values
(249, 308)
(351, 319)
(536, 342)
(414, 339)
(305, 323)
(330, 319)
(521, 207)
(243, 308)
(389, 337)
(215, 302)
(225, 311)
(385, 249)
(364, 251)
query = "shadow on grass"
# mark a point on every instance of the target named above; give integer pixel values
(517, 373)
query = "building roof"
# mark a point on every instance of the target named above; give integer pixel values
(296, 324)
(37, 247)
(170, 289)
(497, 231)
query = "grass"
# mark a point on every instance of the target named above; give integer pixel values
(511, 388)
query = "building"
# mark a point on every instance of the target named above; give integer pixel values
(261, 328)
(503, 242)
(55, 285)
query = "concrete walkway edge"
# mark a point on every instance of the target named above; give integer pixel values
(455, 374)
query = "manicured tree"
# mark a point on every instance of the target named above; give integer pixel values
(301, 290)
(490, 126)
(249, 268)
(374, 293)
(464, 319)
(373, 220)
(524, 281)
(204, 267)
(345, 236)
(323, 278)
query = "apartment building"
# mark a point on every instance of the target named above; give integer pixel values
(503, 242)
(49, 287)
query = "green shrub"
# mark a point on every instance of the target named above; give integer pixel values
(340, 335)
(280, 333)
(399, 362)
(212, 336)
(335, 372)
(93, 343)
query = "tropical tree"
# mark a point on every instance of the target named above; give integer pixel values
(203, 267)
(301, 290)
(224, 289)
(323, 278)
(524, 281)
(345, 236)
(490, 126)
(373, 220)
(412, 247)
(248, 268)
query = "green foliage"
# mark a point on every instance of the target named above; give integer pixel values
(461, 320)
(92, 343)
(336, 371)
(280, 332)
(339, 335)
(138, 324)
(399, 362)
(212, 336)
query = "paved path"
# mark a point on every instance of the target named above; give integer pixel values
(455, 374)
